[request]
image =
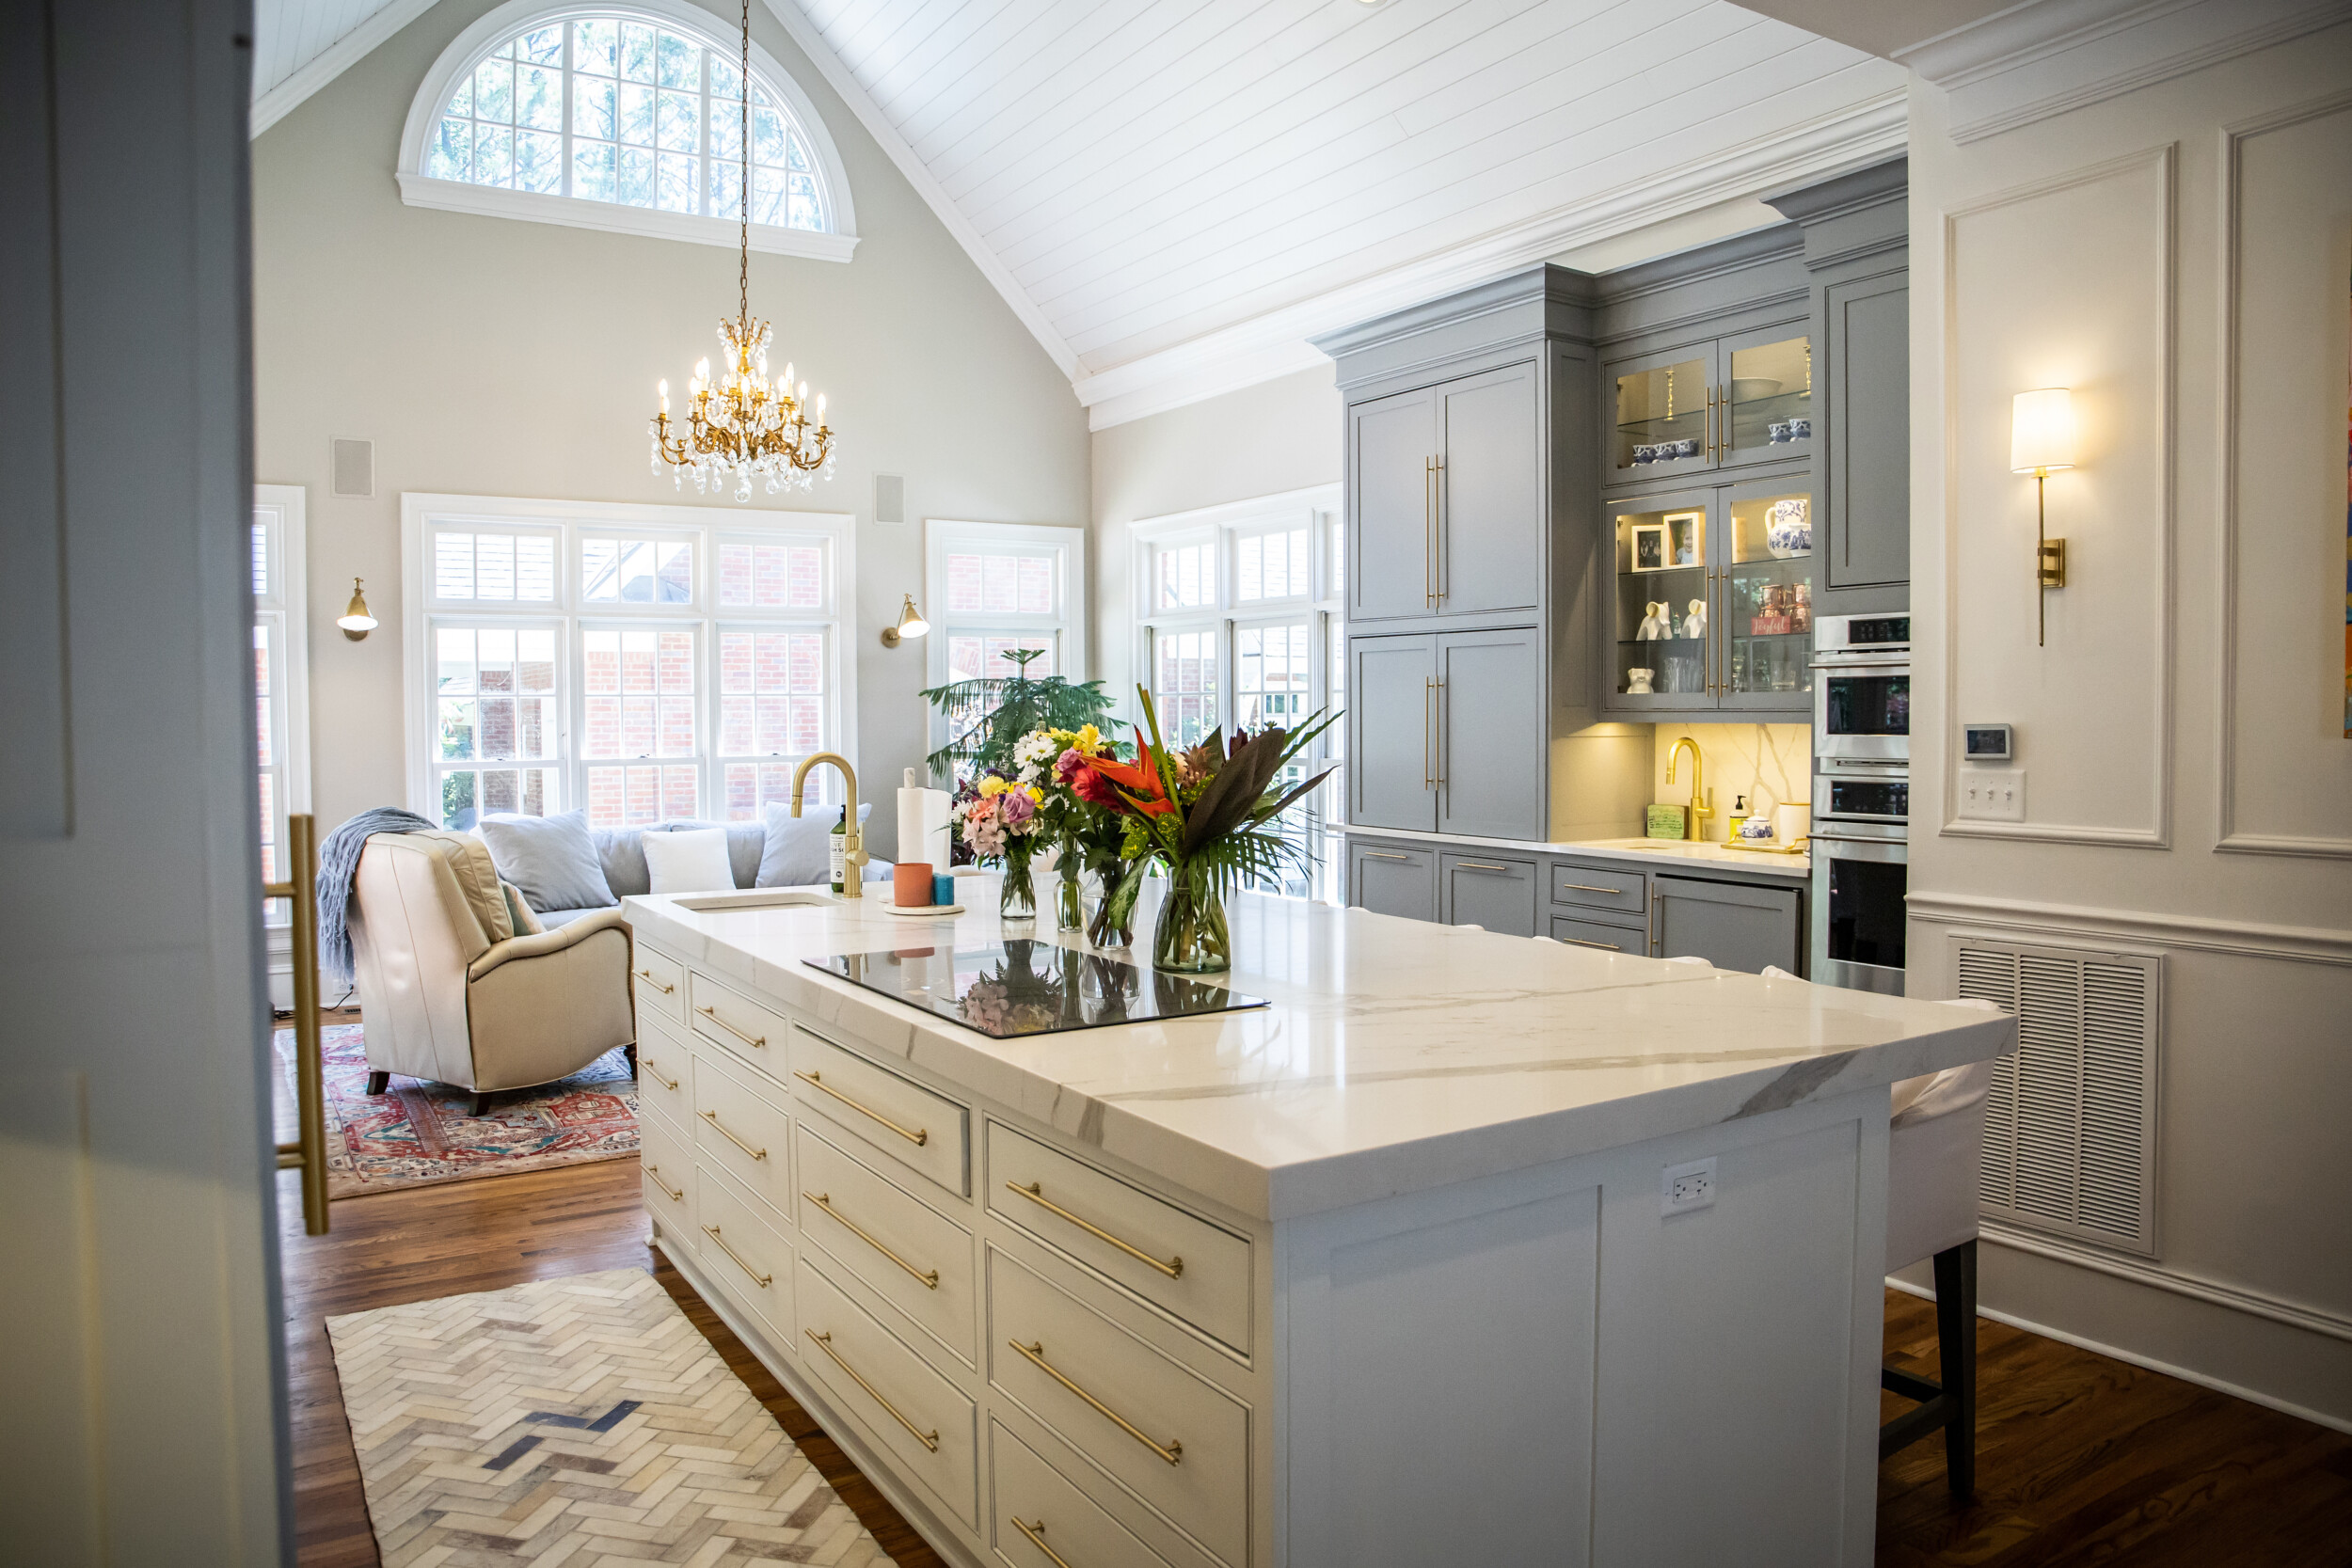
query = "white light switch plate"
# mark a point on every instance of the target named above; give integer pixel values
(1685, 1187)
(1993, 794)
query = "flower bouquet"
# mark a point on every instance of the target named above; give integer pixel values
(1208, 814)
(999, 819)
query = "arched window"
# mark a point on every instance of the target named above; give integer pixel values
(623, 117)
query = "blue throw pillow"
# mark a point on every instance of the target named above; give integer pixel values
(551, 858)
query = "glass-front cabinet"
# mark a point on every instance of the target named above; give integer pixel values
(1716, 405)
(1711, 596)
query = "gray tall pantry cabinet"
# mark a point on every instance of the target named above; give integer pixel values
(1470, 497)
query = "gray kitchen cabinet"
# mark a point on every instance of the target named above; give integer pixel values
(1576, 932)
(1393, 878)
(1730, 924)
(1490, 495)
(1492, 892)
(1491, 738)
(1391, 450)
(1393, 732)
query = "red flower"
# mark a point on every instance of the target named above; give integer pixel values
(1123, 785)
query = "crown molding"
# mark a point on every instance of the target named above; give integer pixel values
(1276, 342)
(283, 100)
(2045, 57)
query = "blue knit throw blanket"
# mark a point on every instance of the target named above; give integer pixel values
(339, 863)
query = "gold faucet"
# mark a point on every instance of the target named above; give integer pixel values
(853, 840)
(1695, 825)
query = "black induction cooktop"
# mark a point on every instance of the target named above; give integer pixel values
(1031, 987)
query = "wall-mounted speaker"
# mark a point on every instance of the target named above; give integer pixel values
(351, 468)
(890, 499)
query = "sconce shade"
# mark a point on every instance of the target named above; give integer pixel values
(911, 623)
(355, 620)
(2042, 431)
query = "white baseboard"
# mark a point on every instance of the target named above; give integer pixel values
(2186, 1375)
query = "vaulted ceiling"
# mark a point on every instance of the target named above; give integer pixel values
(1174, 194)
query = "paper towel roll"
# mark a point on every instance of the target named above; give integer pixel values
(923, 827)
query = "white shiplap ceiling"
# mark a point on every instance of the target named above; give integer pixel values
(1180, 190)
(301, 45)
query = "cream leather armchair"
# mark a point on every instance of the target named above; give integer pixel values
(448, 992)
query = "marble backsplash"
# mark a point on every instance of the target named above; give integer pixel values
(1764, 762)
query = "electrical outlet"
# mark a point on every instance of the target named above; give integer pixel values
(1682, 1188)
(1993, 794)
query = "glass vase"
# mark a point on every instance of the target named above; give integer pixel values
(1113, 922)
(1191, 938)
(1017, 897)
(1070, 898)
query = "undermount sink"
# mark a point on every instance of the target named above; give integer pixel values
(756, 898)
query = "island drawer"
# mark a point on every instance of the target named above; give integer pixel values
(1179, 1441)
(1173, 1260)
(1601, 887)
(912, 1258)
(927, 1133)
(738, 1131)
(735, 1021)
(925, 1423)
(1592, 933)
(659, 982)
(1037, 1510)
(668, 1177)
(661, 1073)
(742, 1252)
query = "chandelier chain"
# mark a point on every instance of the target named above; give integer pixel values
(744, 152)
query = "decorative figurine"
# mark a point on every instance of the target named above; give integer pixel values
(1659, 623)
(1694, 625)
(1637, 683)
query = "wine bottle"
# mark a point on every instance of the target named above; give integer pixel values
(838, 848)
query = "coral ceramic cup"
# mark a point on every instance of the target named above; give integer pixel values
(910, 885)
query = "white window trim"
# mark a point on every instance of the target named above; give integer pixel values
(709, 523)
(940, 537)
(419, 189)
(290, 503)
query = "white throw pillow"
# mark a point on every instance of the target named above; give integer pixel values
(799, 849)
(695, 861)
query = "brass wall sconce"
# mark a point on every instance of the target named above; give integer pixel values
(911, 623)
(354, 620)
(2041, 443)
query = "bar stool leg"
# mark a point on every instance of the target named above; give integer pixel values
(1956, 1348)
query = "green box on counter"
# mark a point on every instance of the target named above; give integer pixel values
(1667, 821)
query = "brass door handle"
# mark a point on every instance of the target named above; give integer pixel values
(1036, 1538)
(677, 1195)
(1372, 855)
(655, 1067)
(1587, 887)
(764, 1279)
(1173, 1451)
(647, 974)
(920, 1136)
(824, 1200)
(1442, 733)
(712, 1118)
(1580, 942)
(1428, 728)
(824, 1342)
(758, 1042)
(1481, 866)
(1035, 1193)
(1429, 532)
(1437, 526)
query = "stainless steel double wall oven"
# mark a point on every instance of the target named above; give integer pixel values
(1861, 799)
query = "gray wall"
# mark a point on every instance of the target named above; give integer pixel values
(492, 356)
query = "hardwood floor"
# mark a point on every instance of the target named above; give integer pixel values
(2080, 1459)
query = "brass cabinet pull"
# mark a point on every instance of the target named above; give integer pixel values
(1587, 887)
(1437, 526)
(1376, 855)
(1035, 1351)
(824, 1200)
(1035, 1193)
(920, 1136)
(1036, 1538)
(756, 1042)
(655, 1067)
(712, 1118)
(1429, 532)
(1428, 728)
(1580, 942)
(1441, 733)
(677, 1194)
(764, 1279)
(1481, 866)
(647, 974)
(824, 1342)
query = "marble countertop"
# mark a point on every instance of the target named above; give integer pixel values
(1397, 1056)
(1656, 853)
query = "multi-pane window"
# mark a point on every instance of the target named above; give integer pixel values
(627, 109)
(640, 663)
(996, 589)
(279, 718)
(1243, 629)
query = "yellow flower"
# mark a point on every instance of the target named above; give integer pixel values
(1036, 796)
(993, 785)
(1086, 742)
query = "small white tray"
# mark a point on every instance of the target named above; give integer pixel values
(921, 909)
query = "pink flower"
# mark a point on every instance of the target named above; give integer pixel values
(1067, 766)
(1016, 807)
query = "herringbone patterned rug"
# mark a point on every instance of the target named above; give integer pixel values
(578, 1421)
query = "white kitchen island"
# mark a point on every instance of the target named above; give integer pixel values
(1381, 1274)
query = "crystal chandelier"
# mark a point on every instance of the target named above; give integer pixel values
(743, 425)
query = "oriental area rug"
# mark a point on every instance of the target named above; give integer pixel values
(417, 1133)
(578, 1421)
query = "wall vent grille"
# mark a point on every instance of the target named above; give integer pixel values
(2070, 1127)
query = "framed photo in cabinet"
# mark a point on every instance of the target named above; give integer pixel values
(1651, 548)
(1685, 537)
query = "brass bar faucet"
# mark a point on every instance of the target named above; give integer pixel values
(1695, 825)
(853, 839)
